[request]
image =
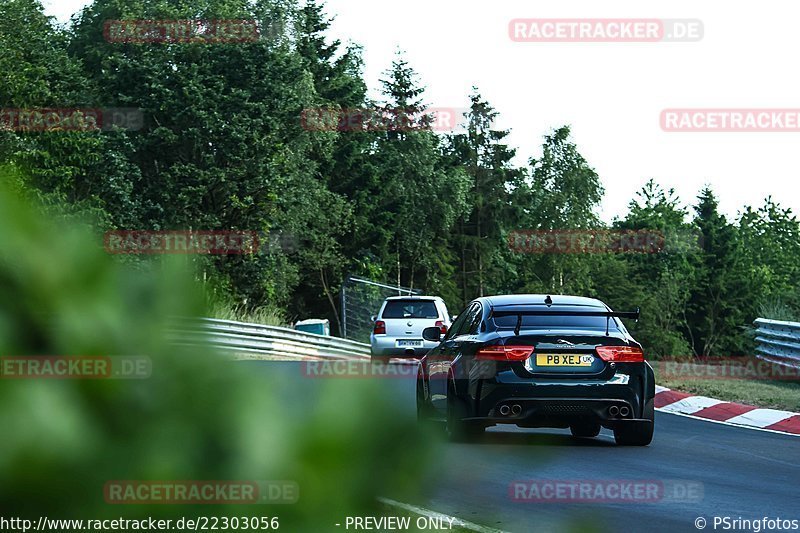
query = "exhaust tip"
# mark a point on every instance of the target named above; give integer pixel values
(624, 411)
(504, 410)
(516, 409)
(613, 410)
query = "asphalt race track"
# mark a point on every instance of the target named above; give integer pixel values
(744, 473)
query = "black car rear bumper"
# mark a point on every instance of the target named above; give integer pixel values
(561, 412)
(508, 398)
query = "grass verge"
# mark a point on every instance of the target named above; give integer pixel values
(745, 380)
(261, 315)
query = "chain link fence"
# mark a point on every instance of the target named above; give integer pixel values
(361, 300)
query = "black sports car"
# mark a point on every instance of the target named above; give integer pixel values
(538, 361)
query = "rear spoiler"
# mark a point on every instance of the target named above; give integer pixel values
(524, 312)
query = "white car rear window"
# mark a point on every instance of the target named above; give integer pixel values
(410, 309)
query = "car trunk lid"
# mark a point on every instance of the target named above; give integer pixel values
(566, 353)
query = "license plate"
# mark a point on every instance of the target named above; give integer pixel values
(409, 344)
(565, 359)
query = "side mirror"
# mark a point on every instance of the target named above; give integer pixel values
(433, 334)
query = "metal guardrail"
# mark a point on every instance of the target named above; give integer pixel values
(245, 338)
(778, 342)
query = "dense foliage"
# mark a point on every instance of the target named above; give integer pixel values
(196, 416)
(223, 146)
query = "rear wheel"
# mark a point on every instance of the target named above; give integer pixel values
(637, 433)
(458, 429)
(423, 409)
(585, 429)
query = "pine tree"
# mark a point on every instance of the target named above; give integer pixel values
(419, 195)
(479, 234)
(723, 289)
(659, 280)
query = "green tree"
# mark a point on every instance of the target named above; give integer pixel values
(343, 165)
(725, 294)
(336, 73)
(563, 193)
(771, 244)
(659, 282)
(419, 194)
(223, 146)
(478, 236)
(86, 169)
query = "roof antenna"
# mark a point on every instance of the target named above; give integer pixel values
(608, 317)
(548, 301)
(519, 324)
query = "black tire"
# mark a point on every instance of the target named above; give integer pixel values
(457, 429)
(585, 429)
(423, 409)
(638, 434)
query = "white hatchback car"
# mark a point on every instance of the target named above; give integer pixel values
(399, 324)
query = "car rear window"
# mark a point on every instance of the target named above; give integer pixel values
(410, 309)
(556, 321)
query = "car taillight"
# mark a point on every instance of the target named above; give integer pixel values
(504, 353)
(439, 324)
(380, 327)
(620, 354)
